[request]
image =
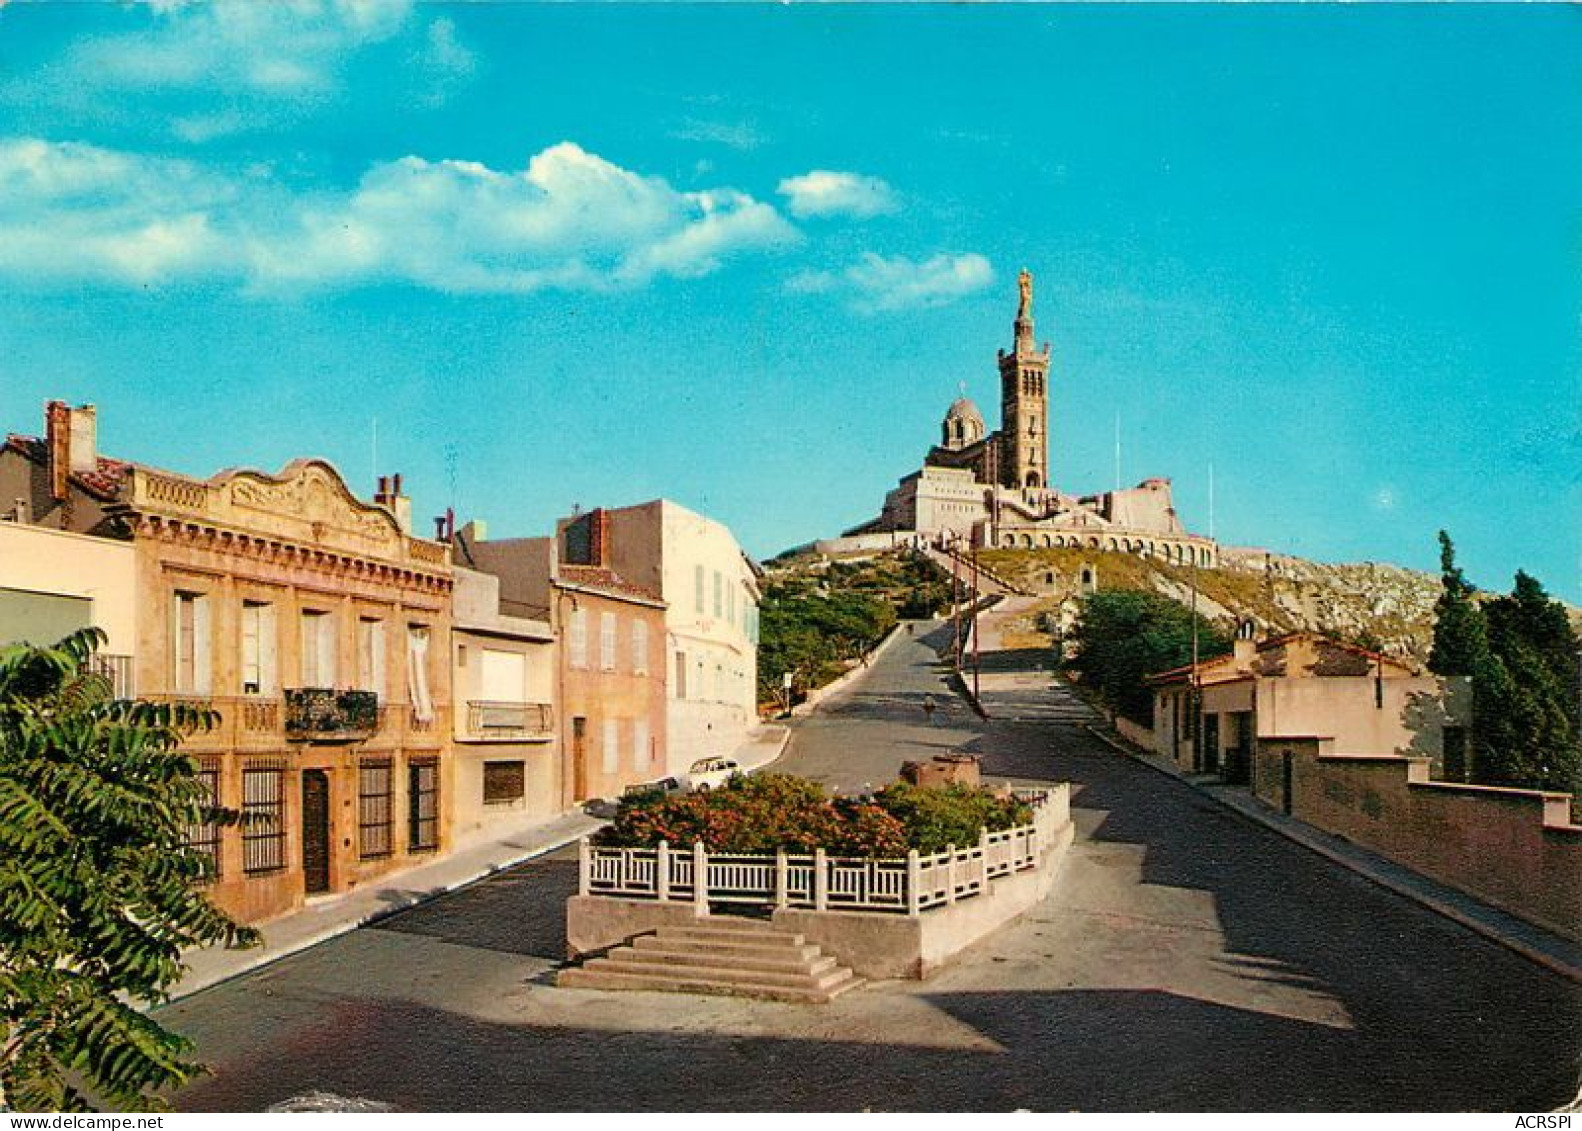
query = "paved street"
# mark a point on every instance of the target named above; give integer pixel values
(1187, 960)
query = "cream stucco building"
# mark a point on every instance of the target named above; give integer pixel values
(711, 594)
(504, 721)
(53, 582)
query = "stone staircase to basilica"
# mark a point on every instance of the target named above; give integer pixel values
(741, 957)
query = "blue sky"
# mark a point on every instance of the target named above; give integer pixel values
(742, 257)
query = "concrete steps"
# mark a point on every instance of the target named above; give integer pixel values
(740, 957)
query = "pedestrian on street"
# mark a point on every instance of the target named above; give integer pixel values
(929, 707)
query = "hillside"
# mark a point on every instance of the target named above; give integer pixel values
(1379, 605)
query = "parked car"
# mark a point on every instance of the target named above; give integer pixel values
(663, 785)
(710, 773)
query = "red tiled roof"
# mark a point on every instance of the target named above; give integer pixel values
(103, 483)
(601, 577)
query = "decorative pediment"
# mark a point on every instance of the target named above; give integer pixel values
(308, 499)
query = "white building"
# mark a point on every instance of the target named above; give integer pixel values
(711, 593)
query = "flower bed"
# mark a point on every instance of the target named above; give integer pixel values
(779, 812)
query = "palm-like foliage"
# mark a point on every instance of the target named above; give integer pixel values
(98, 889)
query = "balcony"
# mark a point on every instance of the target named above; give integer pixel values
(322, 714)
(116, 670)
(493, 721)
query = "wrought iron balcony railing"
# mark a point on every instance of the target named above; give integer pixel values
(488, 718)
(322, 714)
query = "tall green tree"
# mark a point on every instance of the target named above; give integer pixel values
(1535, 731)
(1461, 642)
(1125, 635)
(99, 892)
(1521, 654)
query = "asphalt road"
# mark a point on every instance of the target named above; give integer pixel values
(1187, 959)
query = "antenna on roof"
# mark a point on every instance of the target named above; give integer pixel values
(1117, 451)
(1211, 499)
(376, 448)
(452, 455)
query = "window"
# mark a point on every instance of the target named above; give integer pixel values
(417, 673)
(730, 603)
(504, 782)
(375, 797)
(191, 643)
(204, 837)
(607, 642)
(579, 638)
(719, 594)
(640, 752)
(639, 647)
(264, 829)
(318, 649)
(503, 678)
(423, 806)
(371, 655)
(697, 588)
(681, 675)
(258, 648)
(612, 746)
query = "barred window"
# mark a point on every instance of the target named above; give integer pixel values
(423, 806)
(204, 837)
(503, 782)
(264, 831)
(375, 794)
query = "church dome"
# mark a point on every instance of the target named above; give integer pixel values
(963, 424)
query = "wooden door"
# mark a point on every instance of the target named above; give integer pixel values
(579, 758)
(315, 831)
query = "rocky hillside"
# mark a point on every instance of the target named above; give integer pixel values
(1381, 606)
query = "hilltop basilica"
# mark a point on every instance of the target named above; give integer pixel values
(993, 489)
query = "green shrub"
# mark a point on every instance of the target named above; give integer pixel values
(771, 812)
(936, 817)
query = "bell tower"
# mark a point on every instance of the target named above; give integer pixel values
(1024, 401)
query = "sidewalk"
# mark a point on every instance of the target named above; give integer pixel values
(325, 918)
(1549, 950)
(765, 746)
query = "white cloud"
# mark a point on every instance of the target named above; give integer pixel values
(569, 220)
(826, 193)
(285, 47)
(223, 67)
(879, 283)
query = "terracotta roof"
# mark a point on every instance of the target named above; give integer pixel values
(1209, 665)
(603, 578)
(104, 483)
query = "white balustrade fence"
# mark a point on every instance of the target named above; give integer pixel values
(905, 885)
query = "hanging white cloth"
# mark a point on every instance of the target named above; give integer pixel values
(417, 674)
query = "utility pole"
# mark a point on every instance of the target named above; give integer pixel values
(955, 609)
(1197, 692)
(976, 664)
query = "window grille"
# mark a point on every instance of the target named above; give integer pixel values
(204, 837)
(503, 782)
(375, 797)
(264, 831)
(423, 806)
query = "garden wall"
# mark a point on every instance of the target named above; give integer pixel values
(1517, 849)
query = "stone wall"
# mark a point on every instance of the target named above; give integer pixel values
(1517, 849)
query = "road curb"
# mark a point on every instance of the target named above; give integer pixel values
(1359, 868)
(258, 961)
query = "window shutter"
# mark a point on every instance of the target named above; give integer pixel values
(612, 746)
(268, 677)
(202, 660)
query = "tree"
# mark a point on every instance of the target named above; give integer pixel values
(1521, 654)
(98, 888)
(1124, 635)
(1461, 643)
(1536, 732)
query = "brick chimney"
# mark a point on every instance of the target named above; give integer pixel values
(71, 439)
(388, 495)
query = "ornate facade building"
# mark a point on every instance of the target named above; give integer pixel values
(312, 622)
(994, 489)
